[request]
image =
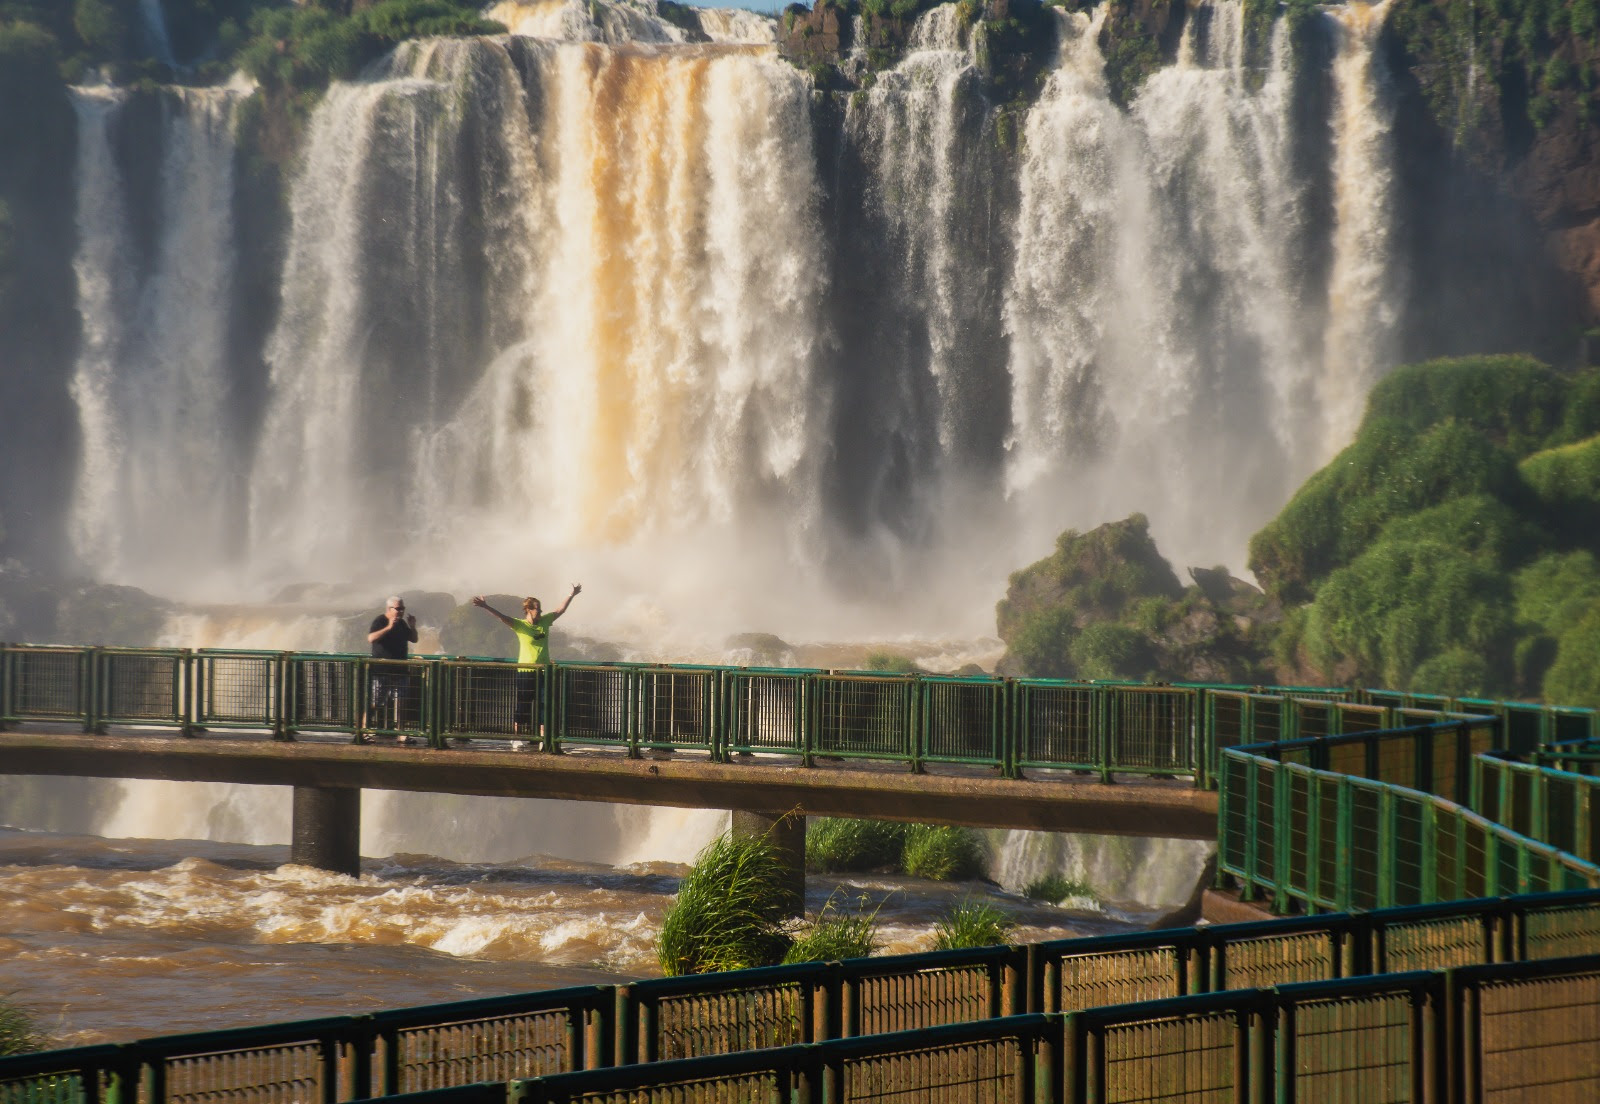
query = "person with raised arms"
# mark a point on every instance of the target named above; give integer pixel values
(533, 654)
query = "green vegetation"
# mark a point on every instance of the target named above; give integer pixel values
(1448, 549)
(730, 910)
(19, 1033)
(838, 933)
(836, 845)
(1055, 888)
(1105, 605)
(972, 923)
(1503, 65)
(943, 853)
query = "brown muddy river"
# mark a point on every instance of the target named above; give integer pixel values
(117, 939)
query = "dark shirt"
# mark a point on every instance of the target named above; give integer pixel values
(392, 644)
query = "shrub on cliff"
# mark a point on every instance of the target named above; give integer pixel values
(1433, 432)
(1448, 549)
(304, 48)
(1105, 605)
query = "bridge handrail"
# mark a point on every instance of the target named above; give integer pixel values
(1011, 726)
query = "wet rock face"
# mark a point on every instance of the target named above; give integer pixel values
(815, 36)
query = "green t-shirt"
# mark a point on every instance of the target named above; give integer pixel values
(533, 641)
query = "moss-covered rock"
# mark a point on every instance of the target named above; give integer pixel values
(1106, 605)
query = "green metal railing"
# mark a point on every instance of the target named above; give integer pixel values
(1010, 726)
(441, 1047)
(1470, 1034)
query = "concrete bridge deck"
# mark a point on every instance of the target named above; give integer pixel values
(1055, 801)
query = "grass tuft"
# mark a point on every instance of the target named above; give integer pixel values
(838, 845)
(972, 923)
(729, 911)
(19, 1034)
(943, 853)
(838, 933)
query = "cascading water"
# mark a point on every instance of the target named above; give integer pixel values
(1365, 285)
(1161, 355)
(156, 492)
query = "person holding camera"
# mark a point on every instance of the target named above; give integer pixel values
(391, 635)
(533, 654)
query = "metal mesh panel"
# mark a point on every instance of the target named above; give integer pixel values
(988, 1072)
(1407, 849)
(1059, 725)
(323, 695)
(924, 998)
(1397, 761)
(1366, 837)
(1561, 932)
(1360, 718)
(1435, 944)
(1447, 849)
(1475, 872)
(141, 687)
(1561, 803)
(1330, 846)
(498, 1049)
(593, 704)
(1153, 730)
(1235, 827)
(1279, 960)
(47, 683)
(767, 711)
(290, 1074)
(859, 716)
(676, 708)
(1348, 758)
(1265, 824)
(236, 690)
(1227, 719)
(1299, 815)
(1446, 748)
(1311, 720)
(1356, 1048)
(398, 696)
(489, 699)
(1540, 1040)
(1181, 1061)
(729, 1021)
(962, 721)
(1119, 977)
(1268, 721)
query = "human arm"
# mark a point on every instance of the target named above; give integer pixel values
(575, 589)
(478, 600)
(381, 626)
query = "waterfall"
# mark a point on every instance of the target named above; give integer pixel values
(155, 29)
(1162, 353)
(629, 345)
(1365, 285)
(156, 487)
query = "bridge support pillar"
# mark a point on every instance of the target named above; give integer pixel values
(327, 829)
(787, 831)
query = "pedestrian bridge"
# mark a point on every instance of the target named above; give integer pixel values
(1441, 854)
